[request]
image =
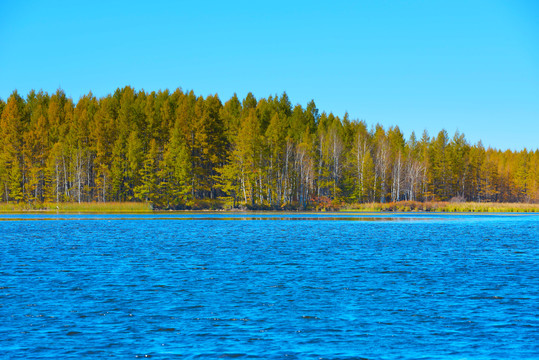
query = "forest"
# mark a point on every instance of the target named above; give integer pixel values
(176, 149)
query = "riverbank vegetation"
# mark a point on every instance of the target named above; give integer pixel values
(441, 206)
(177, 150)
(220, 205)
(71, 207)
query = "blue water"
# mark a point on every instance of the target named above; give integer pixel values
(294, 286)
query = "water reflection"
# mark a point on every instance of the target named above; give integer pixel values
(225, 218)
(279, 216)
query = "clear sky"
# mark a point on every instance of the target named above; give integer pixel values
(471, 66)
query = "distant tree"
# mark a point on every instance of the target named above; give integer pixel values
(12, 126)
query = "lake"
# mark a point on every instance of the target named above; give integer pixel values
(269, 286)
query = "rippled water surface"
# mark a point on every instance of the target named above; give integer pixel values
(335, 286)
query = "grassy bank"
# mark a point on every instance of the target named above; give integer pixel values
(91, 207)
(138, 207)
(440, 206)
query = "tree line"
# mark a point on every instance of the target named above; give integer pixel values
(174, 148)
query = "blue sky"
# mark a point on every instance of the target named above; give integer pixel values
(471, 66)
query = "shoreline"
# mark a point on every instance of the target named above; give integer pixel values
(147, 208)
